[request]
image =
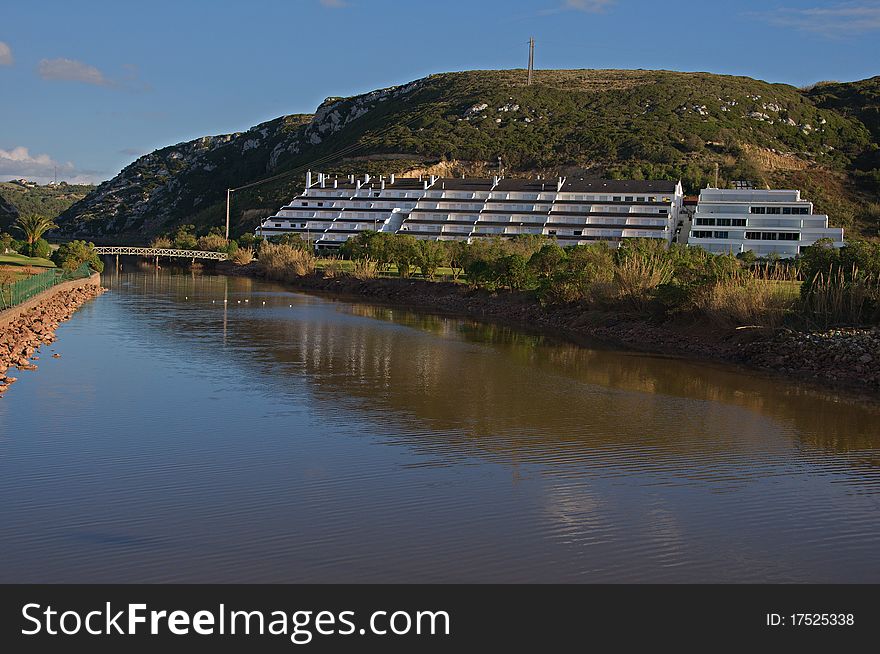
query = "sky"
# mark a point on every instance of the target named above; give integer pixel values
(88, 86)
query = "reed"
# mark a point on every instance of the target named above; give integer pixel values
(242, 256)
(284, 262)
(365, 269)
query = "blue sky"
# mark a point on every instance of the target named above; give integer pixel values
(90, 85)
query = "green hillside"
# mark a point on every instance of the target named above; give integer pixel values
(657, 124)
(49, 200)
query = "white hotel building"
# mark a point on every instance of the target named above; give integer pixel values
(764, 221)
(330, 210)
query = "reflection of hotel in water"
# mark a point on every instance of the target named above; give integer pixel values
(573, 211)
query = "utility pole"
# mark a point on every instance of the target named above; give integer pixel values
(716, 174)
(228, 202)
(531, 59)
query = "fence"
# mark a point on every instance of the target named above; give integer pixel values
(24, 289)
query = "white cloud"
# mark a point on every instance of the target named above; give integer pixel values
(5, 54)
(19, 162)
(73, 71)
(837, 20)
(591, 6)
(586, 6)
(334, 4)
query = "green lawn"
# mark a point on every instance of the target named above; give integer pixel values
(21, 260)
(346, 265)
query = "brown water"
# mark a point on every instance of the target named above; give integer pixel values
(181, 438)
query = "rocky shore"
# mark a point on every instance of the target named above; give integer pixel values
(839, 357)
(22, 334)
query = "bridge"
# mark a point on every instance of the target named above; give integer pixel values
(161, 252)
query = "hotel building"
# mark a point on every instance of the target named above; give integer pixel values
(767, 222)
(331, 209)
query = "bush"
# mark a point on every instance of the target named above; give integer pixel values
(70, 256)
(285, 262)
(161, 243)
(185, 238)
(6, 241)
(212, 243)
(242, 256)
(41, 249)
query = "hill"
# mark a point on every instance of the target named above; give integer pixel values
(49, 200)
(659, 124)
(8, 214)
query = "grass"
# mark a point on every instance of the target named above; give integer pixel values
(21, 260)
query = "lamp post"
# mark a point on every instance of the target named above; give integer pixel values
(228, 202)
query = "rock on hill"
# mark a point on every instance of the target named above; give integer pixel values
(660, 124)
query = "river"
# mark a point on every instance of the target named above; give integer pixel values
(200, 428)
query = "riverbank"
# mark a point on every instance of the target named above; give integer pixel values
(26, 327)
(838, 357)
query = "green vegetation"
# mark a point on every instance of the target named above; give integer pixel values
(72, 255)
(651, 124)
(823, 287)
(12, 259)
(46, 200)
(33, 226)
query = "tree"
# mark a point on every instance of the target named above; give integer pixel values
(405, 253)
(5, 242)
(432, 255)
(33, 226)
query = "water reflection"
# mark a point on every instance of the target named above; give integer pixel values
(327, 440)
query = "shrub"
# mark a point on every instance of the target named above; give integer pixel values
(70, 256)
(161, 243)
(293, 240)
(284, 262)
(242, 256)
(41, 249)
(212, 243)
(364, 269)
(185, 238)
(6, 241)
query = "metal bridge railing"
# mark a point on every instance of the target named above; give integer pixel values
(161, 252)
(19, 291)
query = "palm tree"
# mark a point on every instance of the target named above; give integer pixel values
(33, 226)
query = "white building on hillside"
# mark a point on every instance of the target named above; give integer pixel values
(767, 222)
(573, 211)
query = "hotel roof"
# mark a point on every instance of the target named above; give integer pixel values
(618, 186)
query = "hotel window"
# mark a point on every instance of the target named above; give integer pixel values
(701, 234)
(616, 198)
(629, 198)
(753, 236)
(737, 222)
(305, 204)
(769, 236)
(320, 204)
(774, 210)
(757, 210)
(789, 236)
(720, 234)
(640, 199)
(578, 232)
(786, 210)
(277, 224)
(705, 221)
